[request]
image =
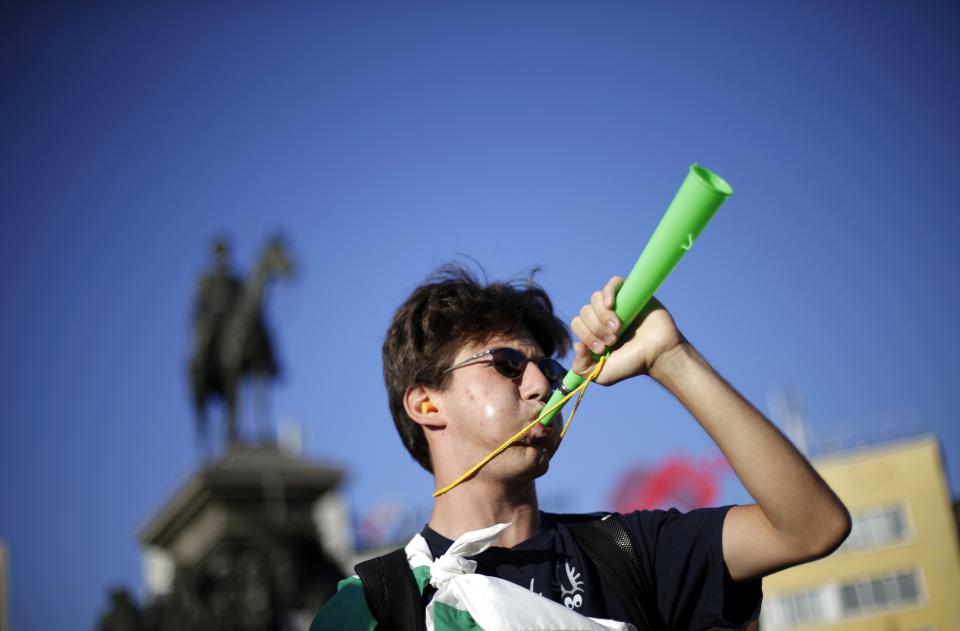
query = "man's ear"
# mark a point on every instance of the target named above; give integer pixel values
(421, 405)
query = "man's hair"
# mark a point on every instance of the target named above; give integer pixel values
(452, 308)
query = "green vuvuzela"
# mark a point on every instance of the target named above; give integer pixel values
(699, 197)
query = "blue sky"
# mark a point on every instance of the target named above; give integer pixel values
(386, 139)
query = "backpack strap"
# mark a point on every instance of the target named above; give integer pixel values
(391, 592)
(611, 548)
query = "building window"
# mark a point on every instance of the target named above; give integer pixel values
(794, 609)
(834, 601)
(879, 594)
(802, 608)
(877, 527)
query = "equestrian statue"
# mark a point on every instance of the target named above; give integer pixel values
(230, 338)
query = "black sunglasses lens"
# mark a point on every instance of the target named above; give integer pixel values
(552, 370)
(509, 362)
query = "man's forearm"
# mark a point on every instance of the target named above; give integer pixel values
(784, 485)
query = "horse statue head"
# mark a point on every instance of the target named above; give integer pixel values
(275, 259)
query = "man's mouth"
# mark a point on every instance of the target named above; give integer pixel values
(538, 432)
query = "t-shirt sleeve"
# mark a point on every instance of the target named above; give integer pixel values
(684, 561)
(346, 611)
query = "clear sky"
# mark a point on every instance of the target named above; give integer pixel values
(387, 138)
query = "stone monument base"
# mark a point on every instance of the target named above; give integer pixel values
(237, 546)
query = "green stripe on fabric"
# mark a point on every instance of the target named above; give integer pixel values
(422, 575)
(346, 610)
(447, 618)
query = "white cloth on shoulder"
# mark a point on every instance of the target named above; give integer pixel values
(492, 603)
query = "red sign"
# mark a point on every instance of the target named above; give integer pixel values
(677, 481)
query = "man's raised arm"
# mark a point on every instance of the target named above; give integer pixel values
(797, 517)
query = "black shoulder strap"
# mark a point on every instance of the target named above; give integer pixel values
(391, 592)
(611, 548)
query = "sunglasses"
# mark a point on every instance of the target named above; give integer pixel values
(511, 363)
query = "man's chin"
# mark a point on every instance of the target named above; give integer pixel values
(542, 463)
(529, 461)
(542, 469)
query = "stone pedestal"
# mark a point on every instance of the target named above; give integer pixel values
(237, 547)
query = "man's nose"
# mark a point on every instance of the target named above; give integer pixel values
(535, 384)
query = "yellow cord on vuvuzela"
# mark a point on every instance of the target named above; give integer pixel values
(581, 389)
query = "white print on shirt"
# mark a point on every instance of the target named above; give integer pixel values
(572, 597)
(532, 588)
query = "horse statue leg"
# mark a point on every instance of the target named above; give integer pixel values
(261, 404)
(199, 393)
(231, 386)
(203, 445)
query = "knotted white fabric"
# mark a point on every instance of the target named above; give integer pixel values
(464, 598)
(468, 544)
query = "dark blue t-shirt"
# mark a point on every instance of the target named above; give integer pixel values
(683, 558)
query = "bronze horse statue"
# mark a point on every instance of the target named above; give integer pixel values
(231, 340)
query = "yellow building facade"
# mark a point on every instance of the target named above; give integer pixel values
(3, 587)
(900, 568)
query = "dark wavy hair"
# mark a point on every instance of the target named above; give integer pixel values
(453, 308)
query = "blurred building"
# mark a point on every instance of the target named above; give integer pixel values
(900, 567)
